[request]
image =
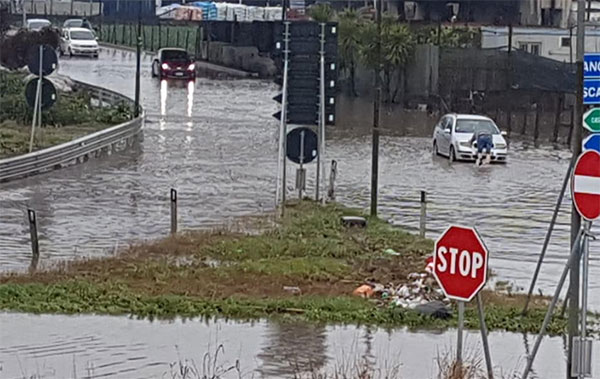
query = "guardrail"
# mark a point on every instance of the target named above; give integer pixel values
(81, 149)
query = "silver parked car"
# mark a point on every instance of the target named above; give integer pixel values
(453, 133)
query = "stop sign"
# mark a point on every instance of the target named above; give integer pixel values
(460, 262)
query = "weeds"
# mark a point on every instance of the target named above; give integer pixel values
(227, 274)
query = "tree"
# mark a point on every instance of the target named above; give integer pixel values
(349, 40)
(321, 12)
(397, 46)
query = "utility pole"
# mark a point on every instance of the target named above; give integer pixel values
(376, 106)
(573, 293)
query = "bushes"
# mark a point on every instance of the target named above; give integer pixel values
(70, 109)
(15, 49)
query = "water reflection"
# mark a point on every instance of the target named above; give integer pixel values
(121, 347)
(190, 97)
(293, 348)
(163, 97)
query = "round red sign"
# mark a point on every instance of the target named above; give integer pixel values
(585, 185)
(460, 263)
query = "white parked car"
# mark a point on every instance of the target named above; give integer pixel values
(38, 24)
(453, 133)
(79, 41)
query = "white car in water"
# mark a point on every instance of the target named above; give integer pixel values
(453, 133)
(38, 24)
(79, 41)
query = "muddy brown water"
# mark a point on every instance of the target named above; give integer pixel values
(119, 347)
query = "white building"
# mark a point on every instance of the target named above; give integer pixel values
(553, 43)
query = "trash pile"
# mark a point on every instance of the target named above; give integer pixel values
(421, 293)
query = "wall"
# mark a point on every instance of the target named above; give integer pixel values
(548, 38)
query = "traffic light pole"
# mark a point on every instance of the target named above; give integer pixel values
(283, 123)
(376, 106)
(573, 292)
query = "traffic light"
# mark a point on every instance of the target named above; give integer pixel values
(304, 71)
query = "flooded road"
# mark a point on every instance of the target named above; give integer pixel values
(216, 142)
(117, 347)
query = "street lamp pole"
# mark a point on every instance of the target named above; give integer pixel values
(376, 112)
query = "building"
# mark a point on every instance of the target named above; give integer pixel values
(551, 13)
(553, 43)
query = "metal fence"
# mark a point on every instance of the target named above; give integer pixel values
(81, 149)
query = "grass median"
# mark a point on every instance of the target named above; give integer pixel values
(247, 275)
(71, 117)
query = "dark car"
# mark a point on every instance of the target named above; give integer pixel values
(78, 23)
(173, 63)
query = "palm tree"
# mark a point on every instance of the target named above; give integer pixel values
(349, 44)
(321, 12)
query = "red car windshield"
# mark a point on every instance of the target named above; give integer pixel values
(174, 55)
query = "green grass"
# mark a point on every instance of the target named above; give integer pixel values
(309, 249)
(71, 117)
(73, 297)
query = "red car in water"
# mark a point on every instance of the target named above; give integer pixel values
(173, 63)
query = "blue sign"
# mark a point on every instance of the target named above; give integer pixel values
(591, 65)
(592, 142)
(591, 91)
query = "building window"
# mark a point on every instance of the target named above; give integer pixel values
(531, 47)
(565, 41)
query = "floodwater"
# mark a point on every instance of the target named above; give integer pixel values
(50, 346)
(216, 142)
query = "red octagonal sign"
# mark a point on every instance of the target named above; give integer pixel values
(460, 262)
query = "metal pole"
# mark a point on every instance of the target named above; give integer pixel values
(35, 247)
(484, 339)
(584, 303)
(575, 218)
(548, 234)
(375, 131)
(571, 262)
(138, 57)
(461, 322)
(423, 219)
(37, 102)
(283, 123)
(173, 211)
(300, 178)
(332, 176)
(510, 38)
(321, 131)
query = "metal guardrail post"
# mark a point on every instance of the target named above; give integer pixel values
(173, 211)
(35, 247)
(423, 218)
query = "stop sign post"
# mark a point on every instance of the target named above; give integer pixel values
(460, 263)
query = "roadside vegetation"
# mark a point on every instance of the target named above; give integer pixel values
(71, 117)
(249, 276)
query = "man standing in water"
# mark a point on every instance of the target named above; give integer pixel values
(484, 142)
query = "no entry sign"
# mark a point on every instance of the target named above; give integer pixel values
(460, 262)
(585, 185)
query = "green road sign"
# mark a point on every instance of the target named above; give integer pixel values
(591, 120)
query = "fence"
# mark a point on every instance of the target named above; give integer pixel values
(153, 36)
(81, 149)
